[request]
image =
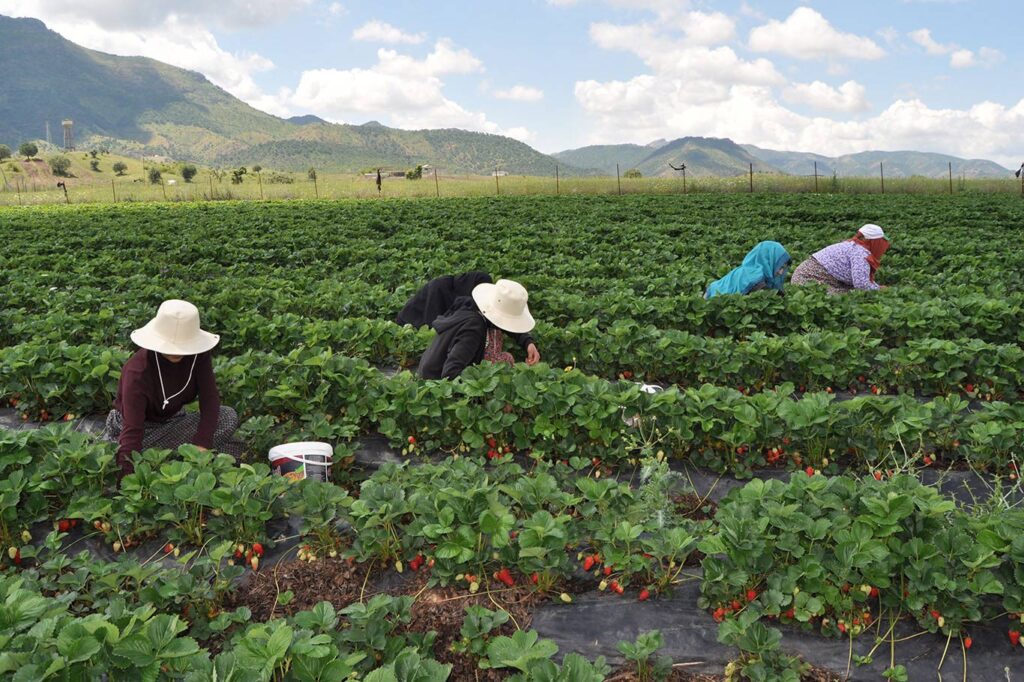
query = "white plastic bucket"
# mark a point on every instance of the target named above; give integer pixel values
(296, 461)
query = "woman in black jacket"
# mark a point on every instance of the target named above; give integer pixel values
(473, 330)
(438, 295)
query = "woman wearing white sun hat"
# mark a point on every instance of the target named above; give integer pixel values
(846, 266)
(474, 328)
(170, 370)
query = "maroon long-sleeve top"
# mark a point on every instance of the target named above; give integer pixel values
(139, 398)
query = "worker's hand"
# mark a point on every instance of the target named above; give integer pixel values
(532, 354)
(200, 448)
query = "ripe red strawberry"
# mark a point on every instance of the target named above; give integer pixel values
(927, 461)
(534, 578)
(751, 595)
(719, 614)
(968, 642)
(257, 548)
(412, 440)
(238, 555)
(874, 593)
(1014, 637)
(791, 614)
(969, 388)
(168, 548)
(491, 443)
(842, 627)
(492, 454)
(644, 594)
(736, 605)
(878, 475)
(63, 526)
(935, 614)
(588, 563)
(809, 471)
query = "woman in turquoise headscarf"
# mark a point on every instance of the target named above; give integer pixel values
(763, 268)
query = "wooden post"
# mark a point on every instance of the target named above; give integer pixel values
(556, 180)
(815, 177)
(113, 189)
(497, 189)
(751, 178)
(18, 185)
(684, 179)
(163, 188)
(316, 187)
(881, 171)
(950, 177)
(437, 187)
(211, 186)
(618, 180)
(259, 176)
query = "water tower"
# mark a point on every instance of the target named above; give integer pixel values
(69, 135)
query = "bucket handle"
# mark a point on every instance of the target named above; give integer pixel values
(302, 460)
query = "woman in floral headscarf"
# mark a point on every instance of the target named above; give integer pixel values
(848, 265)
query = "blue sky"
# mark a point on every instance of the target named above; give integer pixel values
(826, 76)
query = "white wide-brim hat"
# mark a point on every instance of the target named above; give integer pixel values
(175, 331)
(504, 304)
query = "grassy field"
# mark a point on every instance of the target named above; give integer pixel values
(32, 183)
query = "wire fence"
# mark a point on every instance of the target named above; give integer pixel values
(16, 189)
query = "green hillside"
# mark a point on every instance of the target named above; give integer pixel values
(603, 157)
(142, 106)
(902, 164)
(703, 156)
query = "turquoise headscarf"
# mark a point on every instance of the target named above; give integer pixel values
(758, 267)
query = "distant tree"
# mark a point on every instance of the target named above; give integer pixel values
(257, 168)
(60, 164)
(633, 173)
(311, 173)
(236, 175)
(120, 167)
(188, 171)
(155, 176)
(95, 165)
(5, 152)
(414, 174)
(94, 154)
(28, 150)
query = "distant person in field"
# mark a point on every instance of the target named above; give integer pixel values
(437, 297)
(474, 328)
(171, 369)
(848, 265)
(763, 268)
(379, 181)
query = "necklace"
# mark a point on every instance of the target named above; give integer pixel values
(160, 374)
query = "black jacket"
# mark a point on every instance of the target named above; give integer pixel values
(460, 341)
(437, 296)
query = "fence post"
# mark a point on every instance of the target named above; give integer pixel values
(211, 186)
(113, 189)
(497, 188)
(437, 187)
(259, 176)
(751, 178)
(316, 187)
(556, 180)
(18, 185)
(815, 177)
(163, 188)
(618, 180)
(881, 171)
(684, 179)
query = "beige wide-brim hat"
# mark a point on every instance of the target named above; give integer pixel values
(175, 331)
(504, 304)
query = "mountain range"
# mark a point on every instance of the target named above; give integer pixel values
(137, 105)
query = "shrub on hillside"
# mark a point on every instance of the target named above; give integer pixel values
(60, 165)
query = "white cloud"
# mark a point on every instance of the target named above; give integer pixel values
(806, 34)
(985, 57)
(401, 90)
(851, 96)
(520, 93)
(382, 32)
(923, 37)
(336, 9)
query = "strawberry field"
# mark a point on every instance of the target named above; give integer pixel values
(827, 488)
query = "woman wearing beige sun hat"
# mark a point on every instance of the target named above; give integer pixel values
(474, 330)
(171, 369)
